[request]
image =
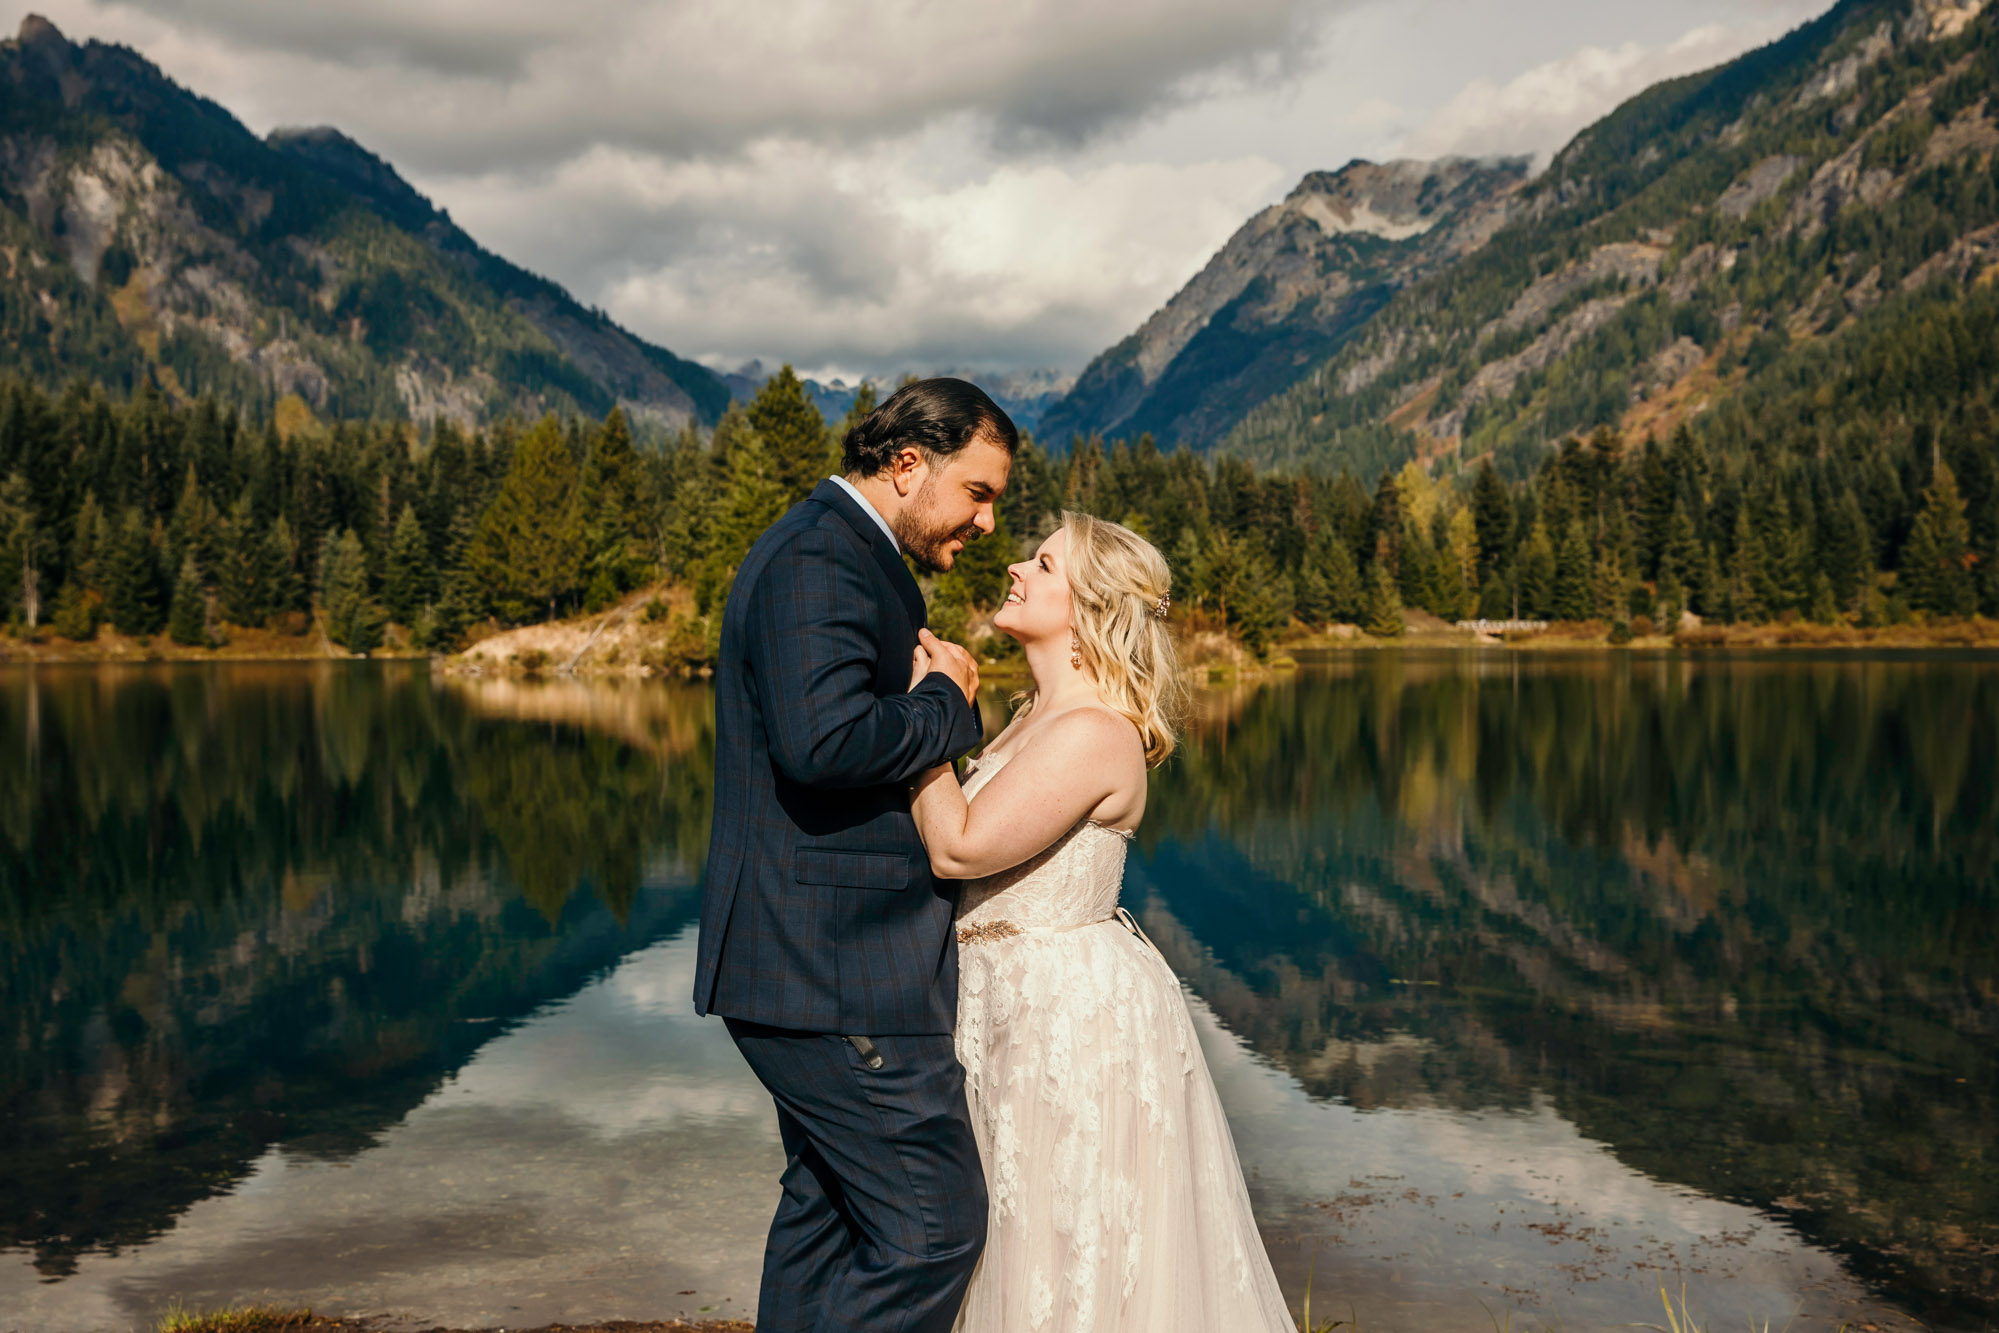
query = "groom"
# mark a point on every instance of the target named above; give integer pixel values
(826, 943)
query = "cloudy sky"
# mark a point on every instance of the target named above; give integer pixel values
(875, 185)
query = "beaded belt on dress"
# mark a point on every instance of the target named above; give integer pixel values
(988, 931)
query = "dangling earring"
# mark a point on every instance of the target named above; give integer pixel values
(1075, 653)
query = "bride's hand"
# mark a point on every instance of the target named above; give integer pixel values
(919, 666)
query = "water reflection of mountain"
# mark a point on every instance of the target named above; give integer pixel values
(1735, 919)
(267, 906)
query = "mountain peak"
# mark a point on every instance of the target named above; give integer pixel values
(334, 154)
(36, 30)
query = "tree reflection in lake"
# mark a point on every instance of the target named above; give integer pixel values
(259, 905)
(1737, 918)
(1731, 918)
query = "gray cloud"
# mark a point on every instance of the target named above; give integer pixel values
(510, 82)
(892, 183)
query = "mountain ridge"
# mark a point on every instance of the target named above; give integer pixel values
(1287, 289)
(209, 259)
(1678, 250)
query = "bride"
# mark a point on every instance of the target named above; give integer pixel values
(1117, 1202)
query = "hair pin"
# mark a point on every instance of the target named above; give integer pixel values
(1159, 607)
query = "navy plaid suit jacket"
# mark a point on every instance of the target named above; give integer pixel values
(820, 912)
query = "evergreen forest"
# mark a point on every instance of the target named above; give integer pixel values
(193, 521)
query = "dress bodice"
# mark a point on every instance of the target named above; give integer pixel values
(1074, 882)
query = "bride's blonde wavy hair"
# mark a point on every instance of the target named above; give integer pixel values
(1118, 583)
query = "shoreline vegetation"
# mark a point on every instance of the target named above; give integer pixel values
(153, 529)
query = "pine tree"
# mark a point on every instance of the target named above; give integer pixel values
(1824, 606)
(753, 498)
(90, 540)
(1681, 550)
(1492, 516)
(76, 612)
(795, 434)
(283, 588)
(1937, 564)
(1608, 598)
(1573, 595)
(1345, 592)
(1672, 600)
(1536, 584)
(1383, 614)
(1311, 598)
(1746, 576)
(406, 574)
(196, 528)
(529, 551)
(1848, 549)
(617, 519)
(187, 621)
(131, 578)
(1385, 526)
(352, 620)
(239, 580)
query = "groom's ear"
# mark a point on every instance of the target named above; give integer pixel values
(903, 469)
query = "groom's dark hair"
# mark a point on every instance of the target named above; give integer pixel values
(938, 416)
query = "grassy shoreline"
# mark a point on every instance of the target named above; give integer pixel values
(622, 642)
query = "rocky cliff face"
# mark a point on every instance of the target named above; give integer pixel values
(1284, 293)
(1674, 252)
(145, 233)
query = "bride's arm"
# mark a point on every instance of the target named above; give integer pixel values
(1042, 793)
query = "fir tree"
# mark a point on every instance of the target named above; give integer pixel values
(240, 578)
(1383, 615)
(1385, 526)
(76, 612)
(1681, 547)
(90, 539)
(1345, 592)
(1937, 564)
(1573, 595)
(352, 620)
(1672, 600)
(1492, 517)
(528, 551)
(1746, 576)
(1536, 583)
(1824, 608)
(616, 508)
(406, 573)
(794, 432)
(131, 578)
(283, 587)
(1311, 597)
(187, 620)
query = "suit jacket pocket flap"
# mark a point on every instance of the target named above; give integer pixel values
(853, 870)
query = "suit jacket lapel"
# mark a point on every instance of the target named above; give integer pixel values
(890, 560)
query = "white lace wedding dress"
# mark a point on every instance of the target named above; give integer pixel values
(1118, 1205)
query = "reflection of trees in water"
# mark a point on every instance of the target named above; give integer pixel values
(278, 905)
(1734, 917)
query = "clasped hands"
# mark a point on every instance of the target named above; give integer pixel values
(947, 660)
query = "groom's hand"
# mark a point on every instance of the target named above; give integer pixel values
(951, 661)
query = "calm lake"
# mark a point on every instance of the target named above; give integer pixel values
(1531, 985)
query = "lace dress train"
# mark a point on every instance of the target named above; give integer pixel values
(1118, 1205)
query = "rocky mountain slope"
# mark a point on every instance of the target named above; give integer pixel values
(1759, 244)
(145, 232)
(1286, 292)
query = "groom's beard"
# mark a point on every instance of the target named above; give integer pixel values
(921, 538)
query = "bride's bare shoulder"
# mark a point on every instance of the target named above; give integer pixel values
(1096, 731)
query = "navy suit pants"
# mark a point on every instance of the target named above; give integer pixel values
(884, 1208)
